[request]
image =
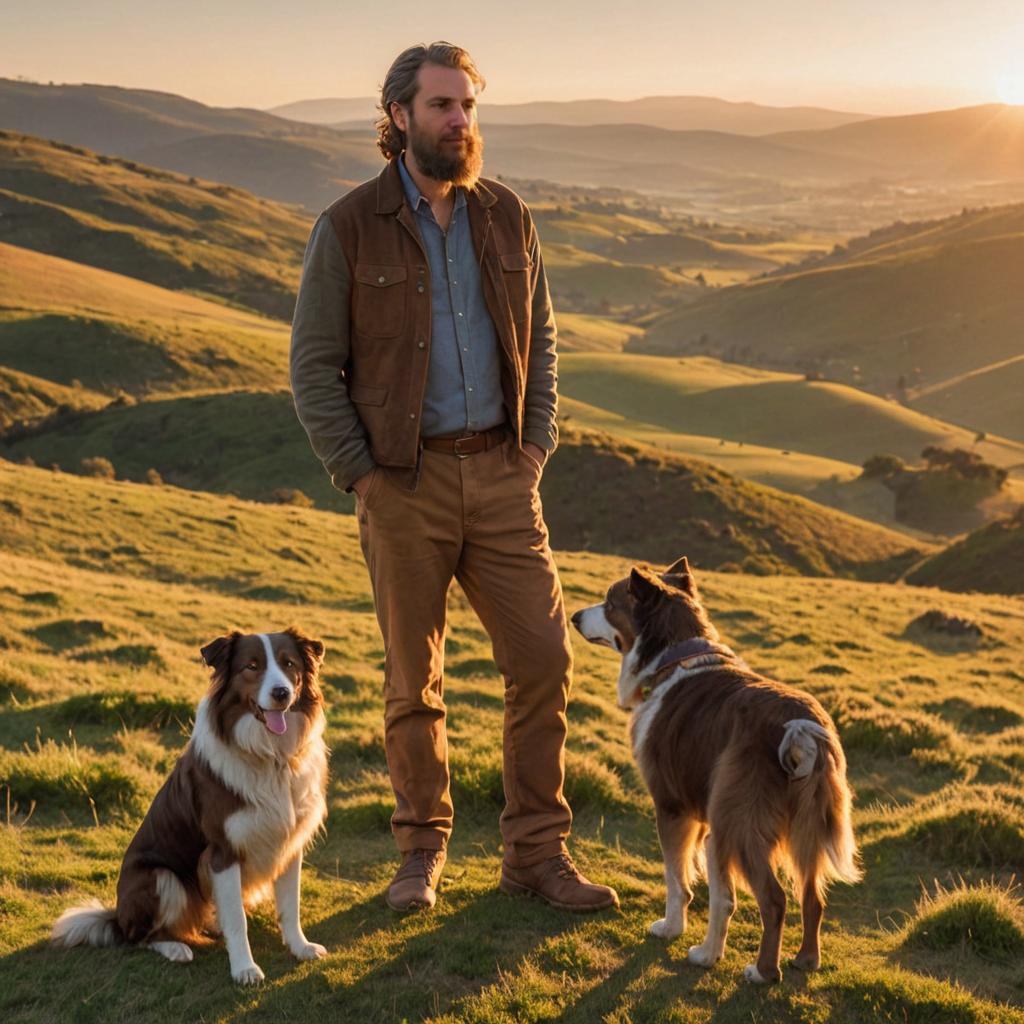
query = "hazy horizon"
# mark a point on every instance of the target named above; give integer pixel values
(864, 58)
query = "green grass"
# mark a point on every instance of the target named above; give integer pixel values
(89, 736)
(986, 919)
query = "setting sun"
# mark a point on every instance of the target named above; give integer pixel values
(1010, 86)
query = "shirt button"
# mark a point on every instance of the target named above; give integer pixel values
(469, 389)
(460, 314)
(381, 279)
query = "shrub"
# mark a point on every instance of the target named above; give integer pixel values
(154, 478)
(292, 496)
(99, 467)
(879, 467)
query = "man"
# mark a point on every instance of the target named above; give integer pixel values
(423, 370)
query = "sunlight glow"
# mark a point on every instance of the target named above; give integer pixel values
(1010, 86)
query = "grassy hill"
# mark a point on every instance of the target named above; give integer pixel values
(25, 397)
(988, 399)
(985, 141)
(162, 227)
(108, 589)
(699, 395)
(991, 559)
(249, 444)
(929, 307)
(75, 325)
(288, 161)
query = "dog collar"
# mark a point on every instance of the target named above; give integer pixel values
(695, 653)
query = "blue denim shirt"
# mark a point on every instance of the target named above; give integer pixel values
(464, 375)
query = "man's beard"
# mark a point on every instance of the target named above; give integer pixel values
(462, 170)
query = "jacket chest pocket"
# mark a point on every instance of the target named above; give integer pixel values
(515, 268)
(379, 299)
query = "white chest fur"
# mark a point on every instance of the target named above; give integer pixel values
(283, 793)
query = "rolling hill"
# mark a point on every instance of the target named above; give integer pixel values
(74, 325)
(915, 310)
(979, 142)
(990, 559)
(703, 396)
(250, 444)
(161, 227)
(107, 590)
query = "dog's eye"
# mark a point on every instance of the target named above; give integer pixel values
(288, 663)
(252, 666)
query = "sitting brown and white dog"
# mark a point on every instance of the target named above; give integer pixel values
(233, 818)
(746, 767)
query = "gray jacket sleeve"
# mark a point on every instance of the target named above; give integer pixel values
(319, 350)
(540, 413)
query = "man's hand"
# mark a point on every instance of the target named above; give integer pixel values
(361, 485)
(535, 452)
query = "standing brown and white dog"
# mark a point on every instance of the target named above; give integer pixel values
(233, 819)
(748, 768)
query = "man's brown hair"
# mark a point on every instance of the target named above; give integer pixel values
(401, 85)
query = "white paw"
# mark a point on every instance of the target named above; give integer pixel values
(176, 952)
(665, 929)
(751, 973)
(250, 975)
(308, 951)
(702, 957)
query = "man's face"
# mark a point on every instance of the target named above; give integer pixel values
(441, 127)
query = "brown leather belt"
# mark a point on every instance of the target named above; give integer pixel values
(469, 444)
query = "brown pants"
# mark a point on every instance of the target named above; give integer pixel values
(478, 520)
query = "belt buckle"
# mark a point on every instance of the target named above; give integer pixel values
(455, 447)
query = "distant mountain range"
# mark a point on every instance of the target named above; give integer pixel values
(311, 164)
(677, 113)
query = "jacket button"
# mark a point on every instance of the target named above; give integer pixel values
(412, 415)
(421, 344)
(381, 279)
(419, 288)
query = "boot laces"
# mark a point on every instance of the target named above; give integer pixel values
(565, 866)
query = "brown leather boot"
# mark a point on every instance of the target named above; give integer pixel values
(415, 882)
(557, 881)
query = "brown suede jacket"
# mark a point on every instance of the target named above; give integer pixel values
(359, 366)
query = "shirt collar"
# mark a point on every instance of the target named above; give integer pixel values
(415, 196)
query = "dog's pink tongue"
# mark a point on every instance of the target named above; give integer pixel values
(275, 722)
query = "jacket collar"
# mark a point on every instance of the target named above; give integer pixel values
(391, 191)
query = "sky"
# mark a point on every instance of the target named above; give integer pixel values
(869, 56)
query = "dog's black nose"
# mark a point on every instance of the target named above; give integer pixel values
(577, 617)
(280, 693)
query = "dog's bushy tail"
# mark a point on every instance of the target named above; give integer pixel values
(821, 844)
(90, 924)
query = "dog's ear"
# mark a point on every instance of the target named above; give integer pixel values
(644, 585)
(680, 567)
(217, 653)
(312, 650)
